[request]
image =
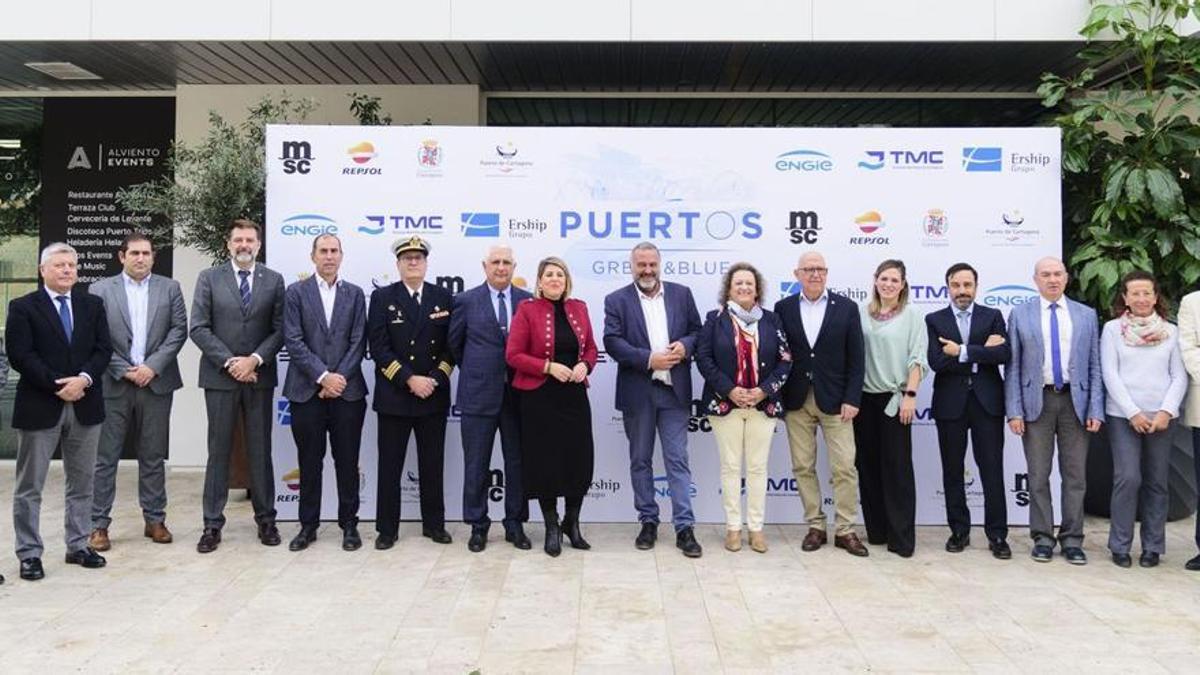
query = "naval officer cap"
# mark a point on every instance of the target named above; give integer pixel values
(413, 243)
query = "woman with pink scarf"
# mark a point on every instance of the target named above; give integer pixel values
(1144, 382)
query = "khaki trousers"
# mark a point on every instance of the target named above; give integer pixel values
(743, 435)
(839, 440)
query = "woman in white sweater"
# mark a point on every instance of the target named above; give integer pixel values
(1144, 382)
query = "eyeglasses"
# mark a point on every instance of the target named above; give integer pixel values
(814, 271)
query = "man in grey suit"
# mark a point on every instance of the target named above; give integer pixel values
(1053, 390)
(324, 328)
(237, 322)
(147, 322)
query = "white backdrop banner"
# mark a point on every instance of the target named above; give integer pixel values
(707, 198)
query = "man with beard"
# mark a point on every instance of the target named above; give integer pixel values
(650, 330)
(237, 322)
(967, 346)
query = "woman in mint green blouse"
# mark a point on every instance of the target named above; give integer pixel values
(895, 338)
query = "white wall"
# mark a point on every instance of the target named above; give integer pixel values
(548, 20)
(457, 105)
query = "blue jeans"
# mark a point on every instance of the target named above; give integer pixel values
(661, 414)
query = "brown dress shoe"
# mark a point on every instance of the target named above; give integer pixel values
(158, 533)
(758, 542)
(733, 540)
(814, 540)
(852, 544)
(99, 539)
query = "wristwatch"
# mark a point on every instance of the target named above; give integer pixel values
(910, 393)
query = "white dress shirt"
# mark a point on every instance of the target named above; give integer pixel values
(137, 295)
(70, 310)
(654, 310)
(508, 302)
(328, 294)
(812, 315)
(237, 279)
(1064, 339)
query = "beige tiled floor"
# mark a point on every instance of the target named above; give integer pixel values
(425, 607)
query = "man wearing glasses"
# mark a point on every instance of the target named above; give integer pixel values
(824, 390)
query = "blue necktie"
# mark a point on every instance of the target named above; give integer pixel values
(502, 314)
(964, 326)
(244, 288)
(64, 315)
(1055, 350)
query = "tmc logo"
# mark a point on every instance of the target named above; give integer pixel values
(308, 225)
(902, 159)
(930, 293)
(481, 224)
(718, 225)
(803, 227)
(283, 412)
(296, 157)
(981, 159)
(804, 161)
(428, 224)
(1008, 295)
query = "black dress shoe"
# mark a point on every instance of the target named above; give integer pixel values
(478, 541)
(351, 540)
(86, 557)
(1074, 555)
(1042, 553)
(31, 569)
(646, 538)
(517, 537)
(685, 540)
(1192, 565)
(268, 534)
(1, 579)
(1000, 550)
(956, 544)
(1148, 559)
(385, 541)
(1122, 560)
(903, 553)
(303, 538)
(439, 535)
(209, 540)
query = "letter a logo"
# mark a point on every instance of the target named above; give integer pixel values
(79, 159)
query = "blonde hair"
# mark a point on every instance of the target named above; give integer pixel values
(556, 262)
(876, 303)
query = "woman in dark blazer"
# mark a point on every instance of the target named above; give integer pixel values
(744, 358)
(552, 351)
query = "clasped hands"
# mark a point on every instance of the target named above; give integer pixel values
(1146, 425)
(72, 389)
(746, 398)
(669, 358)
(332, 386)
(244, 369)
(952, 348)
(141, 375)
(564, 374)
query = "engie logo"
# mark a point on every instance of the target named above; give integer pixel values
(404, 224)
(804, 161)
(718, 225)
(307, 225)
(981, 159)
(361, 154)
(902, 159)
(1008, 295)
(803, 227)
(283, 412)
(481, 224)
(296, 157)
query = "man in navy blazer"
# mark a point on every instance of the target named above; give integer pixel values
(824, 390)
(967, 346)
(58, 341)
(650, 330)
(1054, 391)
(324, 330)
(479, 323)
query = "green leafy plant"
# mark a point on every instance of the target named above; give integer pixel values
(1130, 142)
(21, 188)
(368, 110)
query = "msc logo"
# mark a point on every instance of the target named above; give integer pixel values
(804, 161)
(980, 159)
(803, 227)
(1008, 295)
(453, 284)
(1020, 489)
(902, 159)
(495, 485)
(719, 225)
(663, 489)
(296, 157)
(426, 224)
(308, 225)
(361, 154)
(481, 224)
(283, 412)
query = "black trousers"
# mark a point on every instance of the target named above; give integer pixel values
(341, 421)
(394, 430)
(987, 443)
(886, 485)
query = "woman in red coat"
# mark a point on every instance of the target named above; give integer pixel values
(551, 350)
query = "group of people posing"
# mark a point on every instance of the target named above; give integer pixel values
(99, 369)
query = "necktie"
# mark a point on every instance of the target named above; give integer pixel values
(1055, 350)
(964, 326)
(502, 314)
(417, 298)
(64, 315)
(244, 288)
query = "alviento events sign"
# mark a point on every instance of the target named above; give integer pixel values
(707, 198)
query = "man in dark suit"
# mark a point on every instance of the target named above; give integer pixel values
(824, 390)
(58, 342)
(147, 321)
(967, 345)
(650, 329)
(324, 328)
(237, 322)
(407, 325)
(479, 325)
